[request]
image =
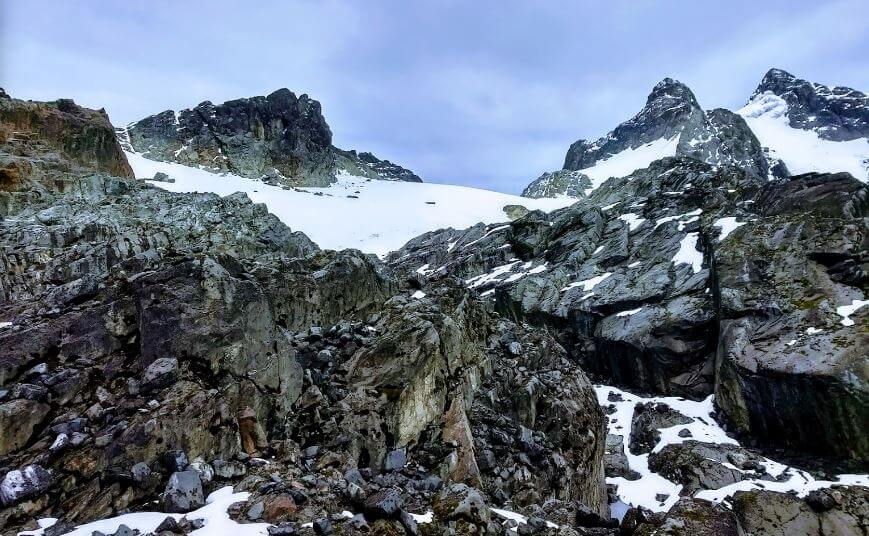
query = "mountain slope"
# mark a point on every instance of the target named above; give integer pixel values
(280, 138)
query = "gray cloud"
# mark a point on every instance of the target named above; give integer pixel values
(486, 93)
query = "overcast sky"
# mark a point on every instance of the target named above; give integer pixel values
(483, 93)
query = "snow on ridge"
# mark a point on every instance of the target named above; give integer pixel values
(380, 217)
(802, 151)
(631, 159)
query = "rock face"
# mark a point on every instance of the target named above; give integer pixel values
(153, 346)
(683, 279)
(556, 183)
(835, 113)
(782, 344)
(46, 148)
(279, 137)
(672, 123)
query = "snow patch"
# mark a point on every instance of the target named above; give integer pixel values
(727, 225)
(845, 311)
(631, 159)
(688, 253)
(382, 218)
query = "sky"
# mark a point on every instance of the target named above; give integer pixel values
(480, 93)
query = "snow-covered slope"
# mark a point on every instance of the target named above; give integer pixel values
(626, 162)
(802, 151)
(369, 215)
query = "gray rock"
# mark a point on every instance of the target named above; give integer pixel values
(395, 460)
(161, 373)
(24, 483)
(183, 492)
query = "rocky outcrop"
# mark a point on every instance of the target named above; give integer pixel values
(683, 279)
(557, 183)
(783, 343)
(835, 113)
(47, 148)
(279, 137)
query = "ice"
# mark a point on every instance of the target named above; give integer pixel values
(845, 311)
(688, 253)
(383, 218)
(803, 151)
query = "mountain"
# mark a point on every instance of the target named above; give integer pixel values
(671, 123)
(811, 127)
(280, 138)
(789, 126)
(181, 362)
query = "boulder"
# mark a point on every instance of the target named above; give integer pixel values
(183, 492)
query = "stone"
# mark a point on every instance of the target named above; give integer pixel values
(385, 504)
(183, 492)
(395, 460)
(18, 419)
(459, 501)
(27, 482)
(159, 374)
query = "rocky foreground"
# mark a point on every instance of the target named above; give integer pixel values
(156, 348)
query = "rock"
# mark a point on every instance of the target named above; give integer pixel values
(140, 473)
(693, 516)
(228, 470)
(169, 524)
(183, 492)
(767, 513)
(162, 177)
(159, 374)
(27, 482)
(280, 136)
(699, 466)
(253, 437)
(323, 526)
(18, 419)
(648, 418)
(256, 510)
(279, 508)
(395, 460)
(385, 504)
(459, 501)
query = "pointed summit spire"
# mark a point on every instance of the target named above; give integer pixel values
(673, 91)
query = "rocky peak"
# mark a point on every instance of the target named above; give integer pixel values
(280, 138)
(671, 123)
(836, 113)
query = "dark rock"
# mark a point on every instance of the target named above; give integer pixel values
(159, 374)
(323, 526)
(385, 504)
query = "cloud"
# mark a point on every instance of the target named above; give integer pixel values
(487, 93)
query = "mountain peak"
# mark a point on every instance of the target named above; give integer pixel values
(835, 113)
(670, 89)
